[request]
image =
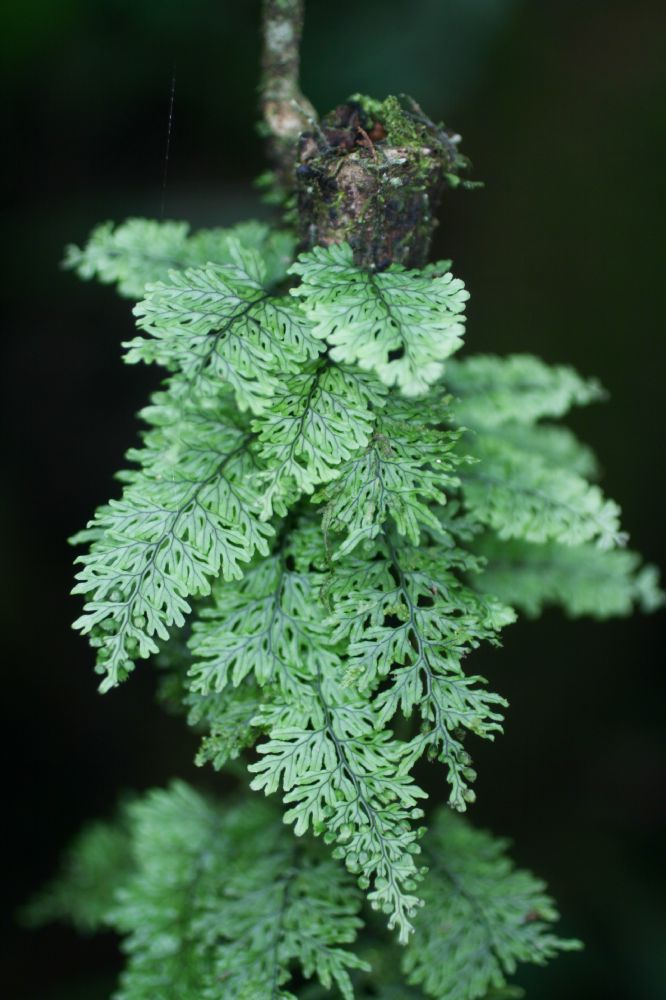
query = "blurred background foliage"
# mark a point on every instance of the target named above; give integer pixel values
(561, 105)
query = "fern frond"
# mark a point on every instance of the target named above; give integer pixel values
(400, 324)
(482, 916)
(492, 391)
(223, 904)
(141, 251)
(520, 495)
(83, 890)
(582, 579)
(408, 618)
(269, 626)
(189, 514)
(319, 417)
(218, 324)
(407, 465)
(343, 778)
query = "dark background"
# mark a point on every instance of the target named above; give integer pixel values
(561, 105)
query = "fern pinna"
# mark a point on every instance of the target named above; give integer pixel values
(330, 509)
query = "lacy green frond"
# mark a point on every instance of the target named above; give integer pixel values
(222, 903)
(218, 324)
(400, 324)
(188, 515)
(343, 777)
(270, 626)
(520, 495)
(83, 891)
(141, 251)
(408, 464)
(555, 446)
(582, 579)
(482, 916)
(226, 720)
(491, 390)
(409, 622)
(319, 418)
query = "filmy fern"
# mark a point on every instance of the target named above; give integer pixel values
(326, 516)
(482, 917)
(219, 900)
(140, 251)
(365, 316)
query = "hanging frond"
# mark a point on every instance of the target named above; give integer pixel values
(482, 917)
(141, 251)
(400, 324)
(582, 579)
(409, 622)
(318, 419)
(218, 324)
(190, 513)
(343, 777)
(491, 391)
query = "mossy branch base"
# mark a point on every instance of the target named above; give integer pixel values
(373, 175)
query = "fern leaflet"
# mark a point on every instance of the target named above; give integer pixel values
(482, 916)
(141, 251)
(189, 514)
(216, 324)
(400, 324)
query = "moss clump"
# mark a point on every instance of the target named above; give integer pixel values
(372, 174)
(402, 128)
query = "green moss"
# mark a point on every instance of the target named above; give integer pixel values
(384, 205)
(407, 126)
(370, 106)
(402, 126)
